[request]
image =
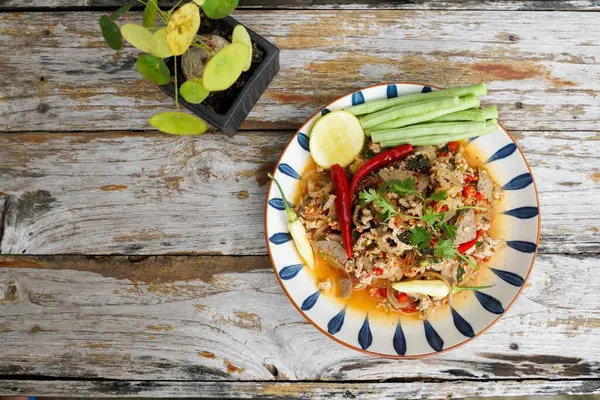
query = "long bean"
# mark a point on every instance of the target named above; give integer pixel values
(490, 126)
(373, 106)
(465, 104)
(490, 112)
(374, 119)
(434, 128)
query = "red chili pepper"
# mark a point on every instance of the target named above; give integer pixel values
(469, 178)
(453, 146)
(443, 154)
(382, 292)
(432, 242)
(379, 161)
(377, 271)
(462, 248)
(342, 205)
(468, 191)
(479, 196)
(402, 297)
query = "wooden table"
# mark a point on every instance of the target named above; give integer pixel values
(134, 263)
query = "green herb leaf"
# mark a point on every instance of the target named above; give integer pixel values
(150, 13)
(420, 237)
(193, 92)
(153, 68)
(217, 9)
(450, 230)
(178, 123)
(122, 10)
(438, 196)
(403, 188)
(379, 200)
(367, 196)
(445, 248)
(460, 273)
(430, 217)
(112, 34)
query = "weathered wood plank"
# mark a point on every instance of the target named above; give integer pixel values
(146, 193)
(226, 318)
(542, 68)
(485, 5)
(301, 390)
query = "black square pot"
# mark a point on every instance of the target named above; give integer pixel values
(261, 75)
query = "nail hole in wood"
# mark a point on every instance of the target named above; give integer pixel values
(272, 369)
(512, 38)
(519, 105)
(42, 79)
(46, 32)
(43, 107)
(514, 346)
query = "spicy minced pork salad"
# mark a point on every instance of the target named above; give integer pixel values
(404, 220)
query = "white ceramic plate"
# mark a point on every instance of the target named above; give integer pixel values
(404, 337)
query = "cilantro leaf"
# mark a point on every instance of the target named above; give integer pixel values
(450, 230)
(445, 249)
(430, 217)
(404, 188)
(438, 196)
(420, 237)
(367, 196)
(460, 273)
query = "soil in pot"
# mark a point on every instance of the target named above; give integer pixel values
(221, 101)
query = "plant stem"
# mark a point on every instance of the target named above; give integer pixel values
(176, 88)
(471, 207)
(175, 6)
(465, 259)
(201, 45)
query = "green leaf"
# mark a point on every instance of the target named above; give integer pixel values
(430, 217)
(445, 248)
(150, 13)
(438, 196)
(217, 9)
(367, 196)
(420, 237)
(111, 33)
(139, 37)
(240, 35)
(404, 188)
(161, 50)
(119, 13)
(178, 123)
(182, 28)
(193, 91)
(460, 273)
(153, 68)
(225, 67)
(450, 230)
(199, 3)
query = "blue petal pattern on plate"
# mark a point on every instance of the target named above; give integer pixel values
(434, 340)
(509, 277)
(489, 303)
(335, 323)
(277, 203)
(522, 212)
(426, 89)
(399, 340)
(289, 171)
(303, 141)
(461, 324)
(519, 182)
(357, 98)
(365, 338)
(280, 238)
(502, 153)
(290, 271)
(310, 301)
(325, 111)
(521, 245)
(391, 91)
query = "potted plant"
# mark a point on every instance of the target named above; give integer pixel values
(201, 57)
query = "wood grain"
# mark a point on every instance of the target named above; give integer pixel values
(485, 5)
(541, 68)
(146, 193)
(301, 390)
(226, 318)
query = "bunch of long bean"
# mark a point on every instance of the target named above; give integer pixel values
(427, 118)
